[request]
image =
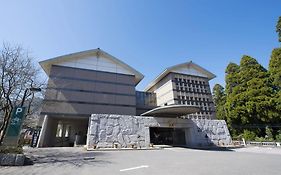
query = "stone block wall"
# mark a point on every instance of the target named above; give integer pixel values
(211, 132)
(124, 131)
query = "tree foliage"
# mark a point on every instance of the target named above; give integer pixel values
(248, 97)
(252, 96)
(219, 100)
(278, 29)
(275, 68)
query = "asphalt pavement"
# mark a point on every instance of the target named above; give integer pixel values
(168, 161)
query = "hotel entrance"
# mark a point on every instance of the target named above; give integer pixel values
(63, 131)
(167, 136)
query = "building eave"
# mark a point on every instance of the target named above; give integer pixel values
(46, 64)
(168, 70)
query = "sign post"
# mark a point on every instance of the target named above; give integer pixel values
(14, 127)
(35, 138)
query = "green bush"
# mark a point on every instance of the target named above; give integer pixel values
(249, 135)
(278, 136)
(260, 139)
(11, 149)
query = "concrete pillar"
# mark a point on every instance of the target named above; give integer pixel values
(43, 132)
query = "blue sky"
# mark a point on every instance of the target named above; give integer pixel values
(148, 35)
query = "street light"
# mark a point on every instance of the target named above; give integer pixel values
(32, 89)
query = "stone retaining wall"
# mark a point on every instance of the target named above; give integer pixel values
(123, 131)
(211, 132)
(12, 159)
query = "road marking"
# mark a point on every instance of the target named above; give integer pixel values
(133, 168)
(176, 149)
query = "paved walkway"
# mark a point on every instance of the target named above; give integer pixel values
(175, 161)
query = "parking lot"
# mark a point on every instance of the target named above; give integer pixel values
(166, 161)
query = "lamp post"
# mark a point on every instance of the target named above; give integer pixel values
(32, 89)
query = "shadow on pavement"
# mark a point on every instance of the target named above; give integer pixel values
(211, 148)
(64, 156)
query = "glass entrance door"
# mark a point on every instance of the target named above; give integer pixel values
(167, 136)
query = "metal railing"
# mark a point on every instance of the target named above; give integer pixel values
(254, 143)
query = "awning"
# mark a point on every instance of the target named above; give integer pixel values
(172, 111)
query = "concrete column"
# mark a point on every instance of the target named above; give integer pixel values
(43, 132)
(147, 136)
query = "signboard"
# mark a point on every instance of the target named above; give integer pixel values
(14, 127)
(35, 138)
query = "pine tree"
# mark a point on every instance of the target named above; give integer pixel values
(275, 77)
(219, 98)
(278, 28)
(256, 92)
(232, 81)
(249, 94)
(231, 77)
(275, 68)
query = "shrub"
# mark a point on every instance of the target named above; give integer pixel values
(11, 149)
(260, 139)
(278, 136)
(249, 135)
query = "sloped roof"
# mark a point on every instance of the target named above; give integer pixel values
(46, 64)
(186, 65)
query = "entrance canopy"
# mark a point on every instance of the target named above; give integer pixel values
(172, 111)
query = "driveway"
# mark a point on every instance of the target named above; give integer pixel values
(167, 161)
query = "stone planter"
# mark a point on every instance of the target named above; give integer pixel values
(11, 159)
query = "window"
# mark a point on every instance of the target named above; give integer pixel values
(67, 131)
(59, 130)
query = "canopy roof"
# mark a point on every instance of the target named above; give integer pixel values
(172, 111)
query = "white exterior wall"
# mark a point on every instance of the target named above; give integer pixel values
(100, 63)
(164, 94)
(189, 71)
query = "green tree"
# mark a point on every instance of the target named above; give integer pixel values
(219, 98)
(275, 78)
(249, 94)
(231, 77)
(232, 81)
(278, 29)
(275, 68)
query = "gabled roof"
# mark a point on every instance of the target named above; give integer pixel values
(178, 69)
(46, 64)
